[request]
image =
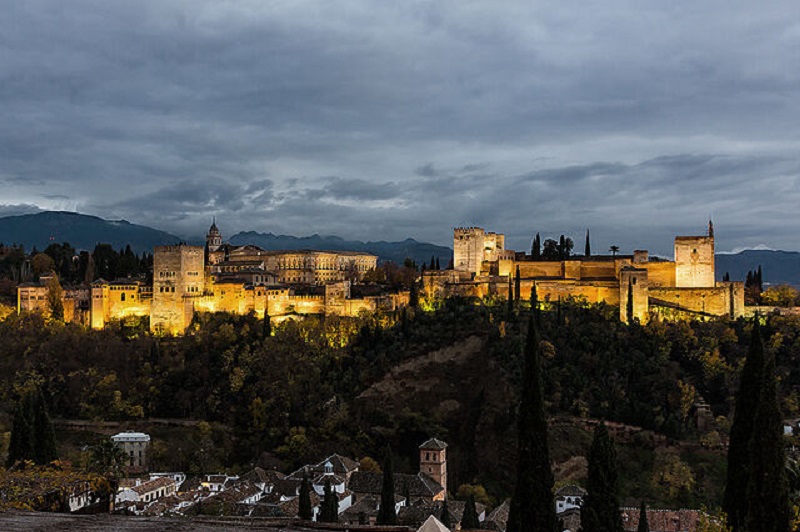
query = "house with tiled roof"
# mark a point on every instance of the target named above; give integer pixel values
(419, 486)
(569, 496)
(147, 491)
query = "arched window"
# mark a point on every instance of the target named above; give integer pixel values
(122, 296)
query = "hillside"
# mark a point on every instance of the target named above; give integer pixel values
(386, 251)
(778, 267)
(80, 230)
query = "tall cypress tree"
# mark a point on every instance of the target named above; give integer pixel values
(587, 250)
(517, 284)
(413, 295)
(329, 512)
(532, 507)
(536, 247)
(600, 510)
(469, 519)
(629, 305)
(44, 443)
(21, 446)
(510, 300)
(768, 486)
(644, 526)
(266, 325)
(446, 521)
(386, 513)
(734, 502)
(305, 511)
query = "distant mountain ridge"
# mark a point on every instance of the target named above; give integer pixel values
(387, 251)
(80, 230)
(778, 267)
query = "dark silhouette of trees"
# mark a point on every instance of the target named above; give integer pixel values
(532, 507)
(644, 526)
(517, 285)
(32, 434)
(304, 507)
(386, 513)
(587, 249)
(747, 398)
(446, 521)
(768, 487)
(600, 510)
(329, 511)
(536, 247)
(469, 519)
(614, 250)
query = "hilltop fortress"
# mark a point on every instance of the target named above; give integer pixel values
(248, 279)
(643, 286)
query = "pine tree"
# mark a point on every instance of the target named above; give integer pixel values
(532, 507)
(386, 513)
(469, 519)
(600, 510)
(446, 515)
(305, 511)
(21, 446)
(587, 250)
(517, 285)
(44, 443)
(734, 502)
(329, 512)
(644, 526)
(768, 487)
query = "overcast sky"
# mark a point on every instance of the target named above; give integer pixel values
(386, 120)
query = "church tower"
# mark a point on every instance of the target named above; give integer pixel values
(433, 461)
(214, 237)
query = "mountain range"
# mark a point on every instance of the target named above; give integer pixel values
(84, 232)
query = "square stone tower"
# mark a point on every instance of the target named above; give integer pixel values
(178, 281)
(694, 261)
(433, 461)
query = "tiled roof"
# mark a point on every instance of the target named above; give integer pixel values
(570, 490)
(419, 485)
(152, 485)
(263, 475)
(497, 518)
(433, 443)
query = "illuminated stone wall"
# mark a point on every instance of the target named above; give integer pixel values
(178, 281)
(694, 261)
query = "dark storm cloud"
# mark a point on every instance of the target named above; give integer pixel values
(386, 120)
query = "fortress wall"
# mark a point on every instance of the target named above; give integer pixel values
(713, 301)
(178, 280)
(553, 289)
(605, 269)
(528, 269)
(659, 273)
(468, 247)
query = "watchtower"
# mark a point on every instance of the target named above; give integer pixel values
(433, 461)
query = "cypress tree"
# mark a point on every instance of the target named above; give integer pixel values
(44, 436)
(534, 302)
(21, 446)
(433, 263)
(304, 511)
(532, 507)
(734, 502)
(446, 514)
(517, 285)
(469, 519)
(600, 510)
(536, 248)
(329, 512)
(562, 247)
(437, 264)
(510, 300)
(629, 305)
(386, 513)
(644, 526)
(760, 280)
(413, 295)
(768, 486)
(587, 250)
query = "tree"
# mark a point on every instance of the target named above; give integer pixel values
(266, 329)
(587, 249)
(304, 510)
(550, 250)
(768, 487)
(517, 285)
(532, 507)
(469, 519)
(446, 515)
(42, 264)
(644, 526)
(536, 247)
(413, 295)
(565, 246)
(600, 510)
(735, 500)
(107, 457)
(781, 295)
(629, 303)
(386, 513)
(55, 302)
(510, 299)
(44, 444)
(614, 250)
(329, 513)
(21, 445)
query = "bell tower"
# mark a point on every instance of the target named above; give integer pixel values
(433, 461)
(214, 237)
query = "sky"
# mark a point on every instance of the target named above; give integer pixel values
(376, 120)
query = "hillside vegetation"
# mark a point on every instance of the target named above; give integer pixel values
(318, 385)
